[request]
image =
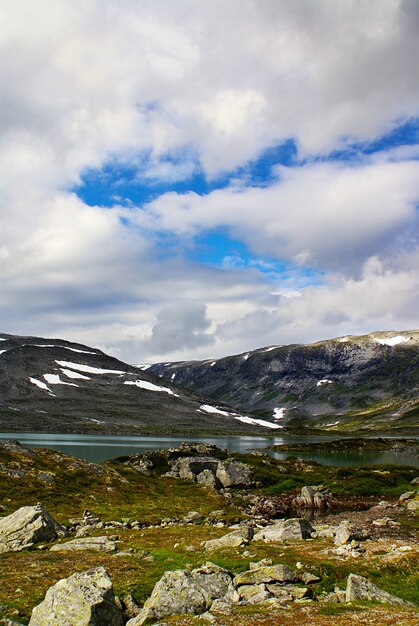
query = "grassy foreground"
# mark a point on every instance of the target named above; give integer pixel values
(115, 491)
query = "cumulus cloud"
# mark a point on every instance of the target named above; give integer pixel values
(140, 83)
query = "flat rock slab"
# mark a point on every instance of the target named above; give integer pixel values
(100, 544)
(27, 526)
(293, 528)
(83, 599)
(235, 539)
(269, 574)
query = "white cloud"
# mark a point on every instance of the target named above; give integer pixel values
(90, 83)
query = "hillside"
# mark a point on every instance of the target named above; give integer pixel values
(53, 385)
(350, 383)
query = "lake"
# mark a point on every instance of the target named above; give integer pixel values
(96, 448)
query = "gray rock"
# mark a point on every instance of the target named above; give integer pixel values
(315, 497)
(280, 592)
(415, 481)
(360, 588)
(189, 468)
(83, 599)
(232, 473)
(27, 526)
(293, 528)
(193, 517)
(267, 574)
(100, 544)
(206, 477)
(235, 539)
(345, 533)
(181, 591)
(253, 594)
(407, 495)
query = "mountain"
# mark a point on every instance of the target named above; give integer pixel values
(350, 383)
(53, 385)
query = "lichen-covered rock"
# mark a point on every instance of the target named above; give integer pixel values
(235, 539)
(360, 588)
(346, 533)
(206, 477)
(27, 526)
(293, 528)
(253, 594)
(182, 591)
(232, 473)
(100, 544)
(269, 574)
(314, 497)
(83, 599)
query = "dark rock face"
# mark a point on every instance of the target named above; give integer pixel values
(329, 378)
(53, 385)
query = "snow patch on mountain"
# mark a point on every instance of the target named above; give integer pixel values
(241, 418)
(54, 379)
(74, 375)
(278, 414)
(324, 381)
(392, 341)
(144, 384)
(79, 367)
(40, 384)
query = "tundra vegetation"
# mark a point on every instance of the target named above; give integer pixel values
(151, 521)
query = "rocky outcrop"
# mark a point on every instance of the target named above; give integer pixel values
(211, 471)
(360, 588)
(181, 591)
(267, 574)
(235, 539)
(99, 544)
(293, 528)
(315, 497)
(83, 599)
(27, 526)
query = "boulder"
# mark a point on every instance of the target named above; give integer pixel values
(100, 544)
(346, 533)
(211, 471)
(235, 539)
(315, 497)
(253, 594)
(360, 588)
(206, 477)
(232, 473)
(268, 574)
(83, 599)
(293, 528)
(193, 517)
(181, 591)
(27, 526)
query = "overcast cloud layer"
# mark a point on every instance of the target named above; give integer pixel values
(324, 243)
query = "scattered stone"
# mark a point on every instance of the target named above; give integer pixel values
(85, 599)
(360, 588)
(415, 481)
(293, 528)
(180, 591)
(193, 517)
(235, 539)
(310, 579)
(345, 533)
(100, 544)
(407, 495)
(27, 526)
(261, 563)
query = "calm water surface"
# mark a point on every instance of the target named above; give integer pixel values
(96, 448)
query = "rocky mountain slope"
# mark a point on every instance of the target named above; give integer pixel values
(350, 383)
(58, 386)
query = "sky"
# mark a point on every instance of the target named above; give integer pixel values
(192, 179)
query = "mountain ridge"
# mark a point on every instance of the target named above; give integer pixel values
(361, 382)
(53, 385)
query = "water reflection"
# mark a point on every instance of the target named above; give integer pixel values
(96, 448)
